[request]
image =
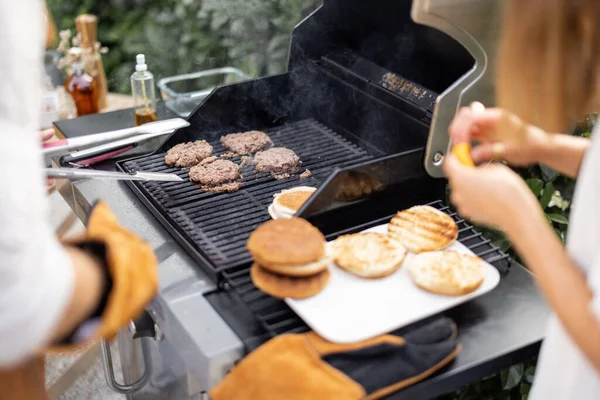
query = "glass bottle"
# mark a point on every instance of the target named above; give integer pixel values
(82, 87)
(87, 29)
(144, 95)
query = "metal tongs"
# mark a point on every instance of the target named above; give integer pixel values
(66, 146)
(77, 174)
(147, 131)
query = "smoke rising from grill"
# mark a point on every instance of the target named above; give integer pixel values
(338, 59)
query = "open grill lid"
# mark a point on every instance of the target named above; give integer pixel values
(435, 54)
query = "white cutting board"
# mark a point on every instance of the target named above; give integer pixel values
(351, 309)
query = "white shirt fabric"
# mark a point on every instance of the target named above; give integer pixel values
(563, 371)
(36, 277)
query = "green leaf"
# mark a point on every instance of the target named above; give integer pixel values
(512, 377)
(524, 397)
(547, 195)
(536, 186)
(559, 219)
(524, 388)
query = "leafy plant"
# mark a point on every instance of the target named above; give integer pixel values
(512, 383)
(182, 36)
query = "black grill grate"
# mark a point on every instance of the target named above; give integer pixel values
(214, 227)
(277, 318)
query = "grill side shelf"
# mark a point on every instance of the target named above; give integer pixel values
(276, 318)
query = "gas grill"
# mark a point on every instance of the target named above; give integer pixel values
(360, 93)
(369, 92)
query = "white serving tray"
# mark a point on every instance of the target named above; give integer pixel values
(351, 309)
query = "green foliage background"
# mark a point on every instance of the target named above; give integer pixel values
(182, 36)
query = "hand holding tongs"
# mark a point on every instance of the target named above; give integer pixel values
(65, 146)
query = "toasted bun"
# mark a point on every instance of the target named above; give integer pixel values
(299, 270)
(286, 242)
(368, 255)
(285, 286)
(288, 202)
(423, 228)
(446, 272)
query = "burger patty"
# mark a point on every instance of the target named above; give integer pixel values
(212, 172)
(188, 154)
(246, 142)
(276, 160)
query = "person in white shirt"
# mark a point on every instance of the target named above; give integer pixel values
(49, 291)
(548, 78)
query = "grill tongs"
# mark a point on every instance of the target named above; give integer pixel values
(65, 146)
(73, 174)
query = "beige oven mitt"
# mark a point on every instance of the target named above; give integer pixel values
(306, 366)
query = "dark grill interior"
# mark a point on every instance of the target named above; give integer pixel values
(276, 317)
(214, 227)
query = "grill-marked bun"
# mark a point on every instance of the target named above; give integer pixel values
(446, 272)
(284, 286)
(423, 228)
(368, 255)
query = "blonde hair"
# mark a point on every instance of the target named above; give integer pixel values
(548, 61)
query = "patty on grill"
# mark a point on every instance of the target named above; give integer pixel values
(276, 159)
(212, 172)
(188, 154)
(246, 142)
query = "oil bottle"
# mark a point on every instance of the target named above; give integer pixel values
(82, 86)
(144, 95)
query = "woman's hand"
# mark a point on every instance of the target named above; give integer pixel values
(503, 136)
(491, 195)
(47, 135)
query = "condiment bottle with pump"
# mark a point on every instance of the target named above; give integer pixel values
(81, 86)
(144, 96)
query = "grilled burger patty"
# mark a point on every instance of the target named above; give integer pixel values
(188, 154)
(212, 172)
(246, 142)
(276, 159)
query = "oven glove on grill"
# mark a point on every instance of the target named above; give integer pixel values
(131, 269)
(306, 366)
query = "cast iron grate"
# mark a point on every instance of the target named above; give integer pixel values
(277, 318)
(214, 227)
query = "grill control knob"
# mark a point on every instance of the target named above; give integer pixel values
(145, 327)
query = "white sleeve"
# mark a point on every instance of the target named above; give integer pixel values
(36, 275)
